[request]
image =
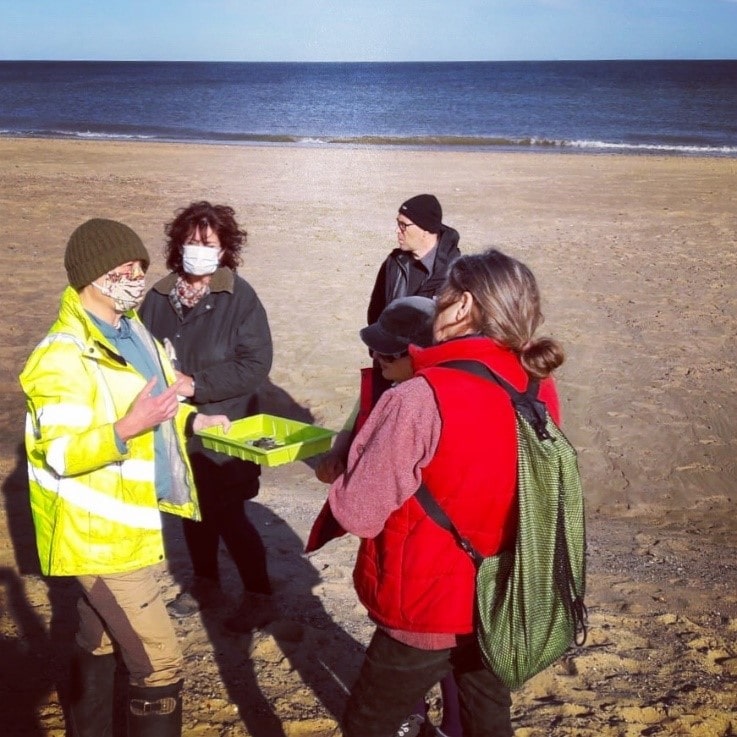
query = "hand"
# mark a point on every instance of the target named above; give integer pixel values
(329, 468)
(201, 422)
(332, 464)
(185, 384)
(148, 411)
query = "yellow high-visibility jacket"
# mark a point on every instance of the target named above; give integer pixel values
(94, 508)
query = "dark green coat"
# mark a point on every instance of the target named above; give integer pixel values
(224, 343)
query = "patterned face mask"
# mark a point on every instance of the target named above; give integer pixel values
(126, 292)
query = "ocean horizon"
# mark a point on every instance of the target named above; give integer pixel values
(637, 107)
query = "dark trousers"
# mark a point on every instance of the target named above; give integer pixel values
(224, 517)
(394, 676)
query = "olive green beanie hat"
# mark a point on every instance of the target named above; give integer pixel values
(98, 246)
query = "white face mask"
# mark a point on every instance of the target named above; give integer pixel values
(200, 260)
(125, 292)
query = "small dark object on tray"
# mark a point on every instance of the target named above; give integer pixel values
(266, 443)
(268, 440)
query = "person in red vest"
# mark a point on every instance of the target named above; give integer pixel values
(455, 432)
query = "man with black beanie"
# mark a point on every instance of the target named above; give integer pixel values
(426, 248)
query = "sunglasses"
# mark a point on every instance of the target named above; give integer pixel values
(388, 357)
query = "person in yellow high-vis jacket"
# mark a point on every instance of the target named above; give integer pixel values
(105, 440)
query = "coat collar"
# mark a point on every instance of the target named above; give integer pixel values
(223, 280)
(475, 348)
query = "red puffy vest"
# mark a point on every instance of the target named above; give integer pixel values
(413, 576)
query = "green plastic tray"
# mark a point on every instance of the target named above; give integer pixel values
(296, 440)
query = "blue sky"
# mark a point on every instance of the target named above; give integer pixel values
(368, 30)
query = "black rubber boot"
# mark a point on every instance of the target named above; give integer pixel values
(155, 711)
(91, 692)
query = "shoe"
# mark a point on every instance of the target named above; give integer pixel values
(412, 726)
(203, 593)
(254, 612)
(155, 711)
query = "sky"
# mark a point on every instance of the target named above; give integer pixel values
(367, 30)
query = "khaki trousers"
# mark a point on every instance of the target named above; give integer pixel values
(126, 612)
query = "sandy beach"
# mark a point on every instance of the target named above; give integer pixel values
(636, 257)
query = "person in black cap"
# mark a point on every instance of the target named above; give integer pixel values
(426, 248)
(405, 321)
(409, 321)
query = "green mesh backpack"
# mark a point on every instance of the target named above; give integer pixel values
(529, 599)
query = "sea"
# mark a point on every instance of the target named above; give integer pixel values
(680, 108)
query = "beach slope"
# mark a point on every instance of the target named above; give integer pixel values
(637, 265)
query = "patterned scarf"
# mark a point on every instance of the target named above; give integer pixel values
(186, 294)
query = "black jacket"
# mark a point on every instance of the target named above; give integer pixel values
(387, 285)
(224, 343)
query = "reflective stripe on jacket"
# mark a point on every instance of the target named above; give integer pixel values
(94, 508)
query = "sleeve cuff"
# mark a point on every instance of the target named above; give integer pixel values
(189, 425)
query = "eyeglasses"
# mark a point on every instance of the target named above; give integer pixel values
(403, 226)
(388, 357)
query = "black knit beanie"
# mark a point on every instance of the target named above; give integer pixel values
(424, 210)
(98, 246)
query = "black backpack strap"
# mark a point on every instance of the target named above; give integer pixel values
(526, 403)
(435, 512)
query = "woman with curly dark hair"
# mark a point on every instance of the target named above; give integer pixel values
(216, 329)
(201, 216)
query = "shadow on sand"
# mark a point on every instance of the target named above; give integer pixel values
(304, 638)
(257, 670)
(34, 657)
